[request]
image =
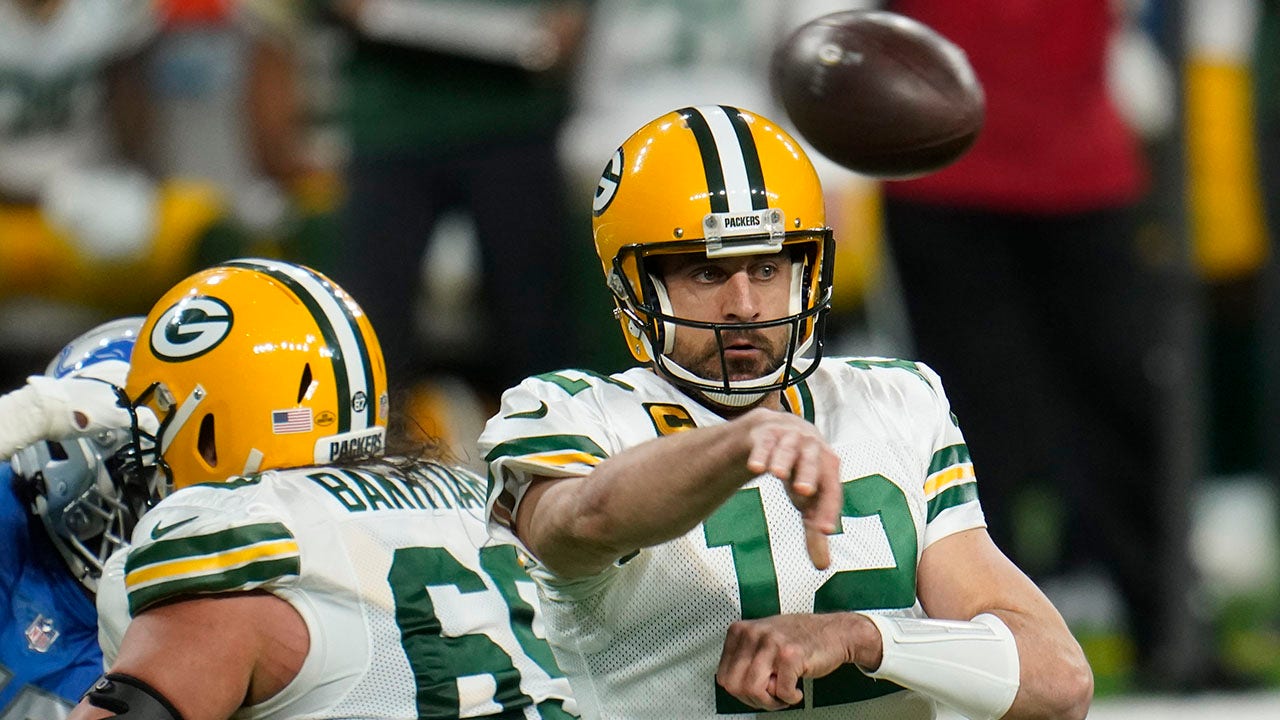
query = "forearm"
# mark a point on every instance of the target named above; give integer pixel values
(647, 495)
(1055, 680)
(1001, 664)
(964, 575)
(662, 489)
(970, 665)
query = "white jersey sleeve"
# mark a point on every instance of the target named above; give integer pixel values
(113, 606)
(543, 429)
(209, 540)
(950, 486)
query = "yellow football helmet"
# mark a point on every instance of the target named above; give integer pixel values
(253, 365)
(721, 181)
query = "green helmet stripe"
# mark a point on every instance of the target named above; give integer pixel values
(750, 158)
(710, 158)
(730, 159)
(352, 366)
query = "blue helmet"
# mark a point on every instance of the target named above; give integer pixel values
(69, 485)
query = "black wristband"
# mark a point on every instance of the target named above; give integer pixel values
(130, 698)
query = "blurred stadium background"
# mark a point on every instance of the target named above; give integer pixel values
(246, 144)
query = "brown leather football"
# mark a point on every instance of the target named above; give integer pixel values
(879, 93)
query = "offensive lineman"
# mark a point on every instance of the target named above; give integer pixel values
(325, 581)
(735, 527)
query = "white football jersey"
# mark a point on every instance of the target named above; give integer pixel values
(412, 610)
(642, 639)
(52, 116)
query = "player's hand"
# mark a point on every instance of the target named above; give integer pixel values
(57, 409)
(763, 660)
(794, 451)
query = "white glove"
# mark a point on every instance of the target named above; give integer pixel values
(57, 408)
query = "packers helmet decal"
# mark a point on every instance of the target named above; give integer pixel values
(608, 185)
(190, 328)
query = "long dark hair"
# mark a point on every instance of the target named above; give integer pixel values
(408, 444)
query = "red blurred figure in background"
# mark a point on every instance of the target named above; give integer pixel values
(1033, 248)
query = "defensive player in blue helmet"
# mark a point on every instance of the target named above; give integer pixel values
(61, 514)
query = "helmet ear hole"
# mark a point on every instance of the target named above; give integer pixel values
(304, 383)
(56, 451)
(207, 443)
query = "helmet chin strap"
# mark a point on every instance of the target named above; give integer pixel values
(739, 399)
(731, 400)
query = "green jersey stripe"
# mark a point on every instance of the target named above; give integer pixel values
(242, 578)
(223, 541)
(952, 497)
(870, 363)
(546, 443)
(806, 398)
(573, 386)
(189, 567)
(957, 454)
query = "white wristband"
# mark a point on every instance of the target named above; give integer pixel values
(971, 666)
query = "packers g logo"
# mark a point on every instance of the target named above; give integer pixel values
(190, 328)
(608, 187)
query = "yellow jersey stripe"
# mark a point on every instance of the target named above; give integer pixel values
(953, 475)
(219, 562)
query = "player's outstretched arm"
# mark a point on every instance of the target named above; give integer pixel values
(207, 656)
(661, 489)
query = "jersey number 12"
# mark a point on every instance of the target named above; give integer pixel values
(740, 524)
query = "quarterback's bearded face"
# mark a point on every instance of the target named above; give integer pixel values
(748, 354)
(728, 292)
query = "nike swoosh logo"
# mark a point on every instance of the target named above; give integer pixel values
(529, 414)
(160, 531)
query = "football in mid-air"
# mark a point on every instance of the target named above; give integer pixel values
(879, 93)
